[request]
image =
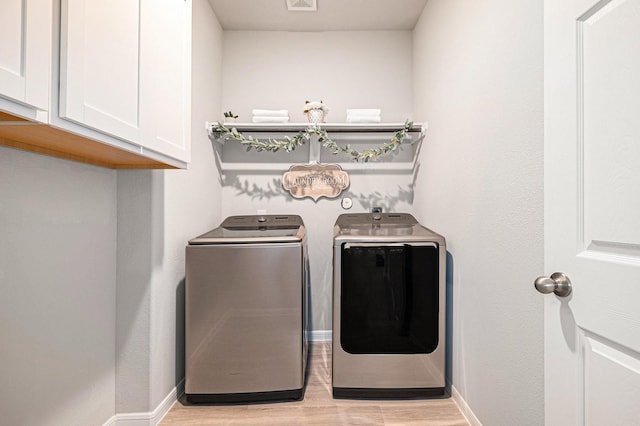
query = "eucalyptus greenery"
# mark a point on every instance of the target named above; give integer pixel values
(290, 143)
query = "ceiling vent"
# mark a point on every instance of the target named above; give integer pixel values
(302, 5)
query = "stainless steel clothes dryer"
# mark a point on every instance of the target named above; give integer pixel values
(245, 307)
(388, 307)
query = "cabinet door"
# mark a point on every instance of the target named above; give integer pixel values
(165, 71)
(125, 70)
(99, 64)
(25, 52)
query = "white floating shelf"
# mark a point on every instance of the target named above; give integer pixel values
(283, 167)
(233, 157)
(329, 127)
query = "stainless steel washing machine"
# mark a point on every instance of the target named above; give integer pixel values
(245, 307)
(388, 307)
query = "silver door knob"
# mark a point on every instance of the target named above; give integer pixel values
(559, 283)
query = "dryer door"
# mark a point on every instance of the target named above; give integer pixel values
(389, 298)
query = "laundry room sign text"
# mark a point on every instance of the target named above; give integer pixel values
(315, 180)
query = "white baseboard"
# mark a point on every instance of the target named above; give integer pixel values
(320, 335)
(151, 418)
(464, 407)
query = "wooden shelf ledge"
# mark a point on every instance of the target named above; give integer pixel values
(16, 132)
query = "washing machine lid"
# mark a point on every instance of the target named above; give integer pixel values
(387, 227)
(255, 229)
(384, 219)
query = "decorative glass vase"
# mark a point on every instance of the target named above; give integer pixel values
(316, 115)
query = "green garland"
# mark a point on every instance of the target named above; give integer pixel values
(290, 143)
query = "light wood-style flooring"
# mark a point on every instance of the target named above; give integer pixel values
(319, 408)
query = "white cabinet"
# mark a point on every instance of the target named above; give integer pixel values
(102, 82)
(25, 57)
(166, 67)
(125, 70)
(99, 64)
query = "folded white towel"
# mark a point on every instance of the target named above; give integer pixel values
(363, 112)
(363, 119)
(257, 119)
(270, 112)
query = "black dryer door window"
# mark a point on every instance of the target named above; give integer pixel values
(389, 298)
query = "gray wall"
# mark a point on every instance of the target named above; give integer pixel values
(85, 343)
(57, 279)
(92, 270)
(478, 80)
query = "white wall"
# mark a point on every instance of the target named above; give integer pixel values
(345, 69)
(280, 70)
(158, 212)
(478, 82)
(57, 279)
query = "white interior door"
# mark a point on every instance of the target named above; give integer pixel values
(592, 211)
